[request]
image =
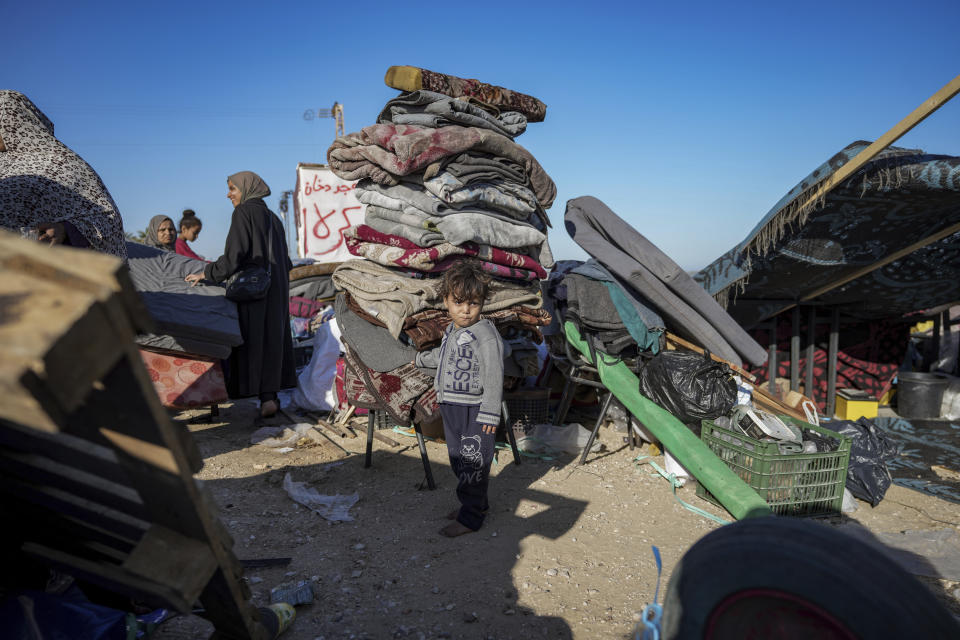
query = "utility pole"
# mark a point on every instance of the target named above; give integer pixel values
(335, 112)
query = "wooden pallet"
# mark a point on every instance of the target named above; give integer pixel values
(96, 480)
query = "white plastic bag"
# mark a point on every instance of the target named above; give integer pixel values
(672, 466)
(950, 405)
(552, 439)
(335, 508)
(316, 390)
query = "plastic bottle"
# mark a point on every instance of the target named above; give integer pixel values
(277, 617)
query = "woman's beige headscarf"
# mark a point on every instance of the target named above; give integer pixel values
(250, 185)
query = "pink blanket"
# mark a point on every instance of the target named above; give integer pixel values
(390, 250)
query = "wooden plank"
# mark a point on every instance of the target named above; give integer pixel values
(50, 330)
(110, 576)
(64, 448)
(386, 440)
(25, 516)
(680, 342)
(228, 609)
(915, 117)
(87, 511)
(43, 471)
(126, 415)
(173, 560)
(896, 255)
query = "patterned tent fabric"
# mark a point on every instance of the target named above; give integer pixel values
(897, 201)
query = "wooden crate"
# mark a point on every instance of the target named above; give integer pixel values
(96, 480)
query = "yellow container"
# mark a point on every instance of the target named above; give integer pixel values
(854, 403)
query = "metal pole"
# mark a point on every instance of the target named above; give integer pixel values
(772, 360)
(795, 351)
(811, 350)
(832, 361)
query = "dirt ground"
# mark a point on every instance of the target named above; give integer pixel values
(564, 553)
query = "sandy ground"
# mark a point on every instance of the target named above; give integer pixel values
(565, 551)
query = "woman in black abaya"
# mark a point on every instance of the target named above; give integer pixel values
(263, 364)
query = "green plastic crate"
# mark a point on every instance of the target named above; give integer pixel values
(798, 484)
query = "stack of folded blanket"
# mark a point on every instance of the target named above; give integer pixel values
(443, 180)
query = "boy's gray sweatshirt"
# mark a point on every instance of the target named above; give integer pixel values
(469, 364)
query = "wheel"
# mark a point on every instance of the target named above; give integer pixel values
(788, 578)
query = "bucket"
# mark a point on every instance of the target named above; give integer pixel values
(919, 394)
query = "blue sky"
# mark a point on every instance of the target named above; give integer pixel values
(689, 119)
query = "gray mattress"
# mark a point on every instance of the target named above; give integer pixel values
(197, 319)
(685, 305)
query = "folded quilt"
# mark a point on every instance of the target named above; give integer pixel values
(473, 167)
(425, 329)
(417, 235)
(372, 342)
(431, 109)
(446, 194)
(511, 198)
(384, 152)
(480, 228)
(360, 234)
(590, 305)
(408, 78)
(384, 294)
(400, 196)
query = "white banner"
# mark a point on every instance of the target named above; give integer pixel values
(326, 207)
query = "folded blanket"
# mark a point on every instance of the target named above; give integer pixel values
(423, 259)
(488, 229)
(407, 78)
(384, 294)
(407, 254)
(446, 194)
(417, 235)
(383, 152)
(372, 342)
(431, 109)
(425, 329)
(473, 166)
(400, 196)
(511, 198)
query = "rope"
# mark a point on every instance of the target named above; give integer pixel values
(675, 483)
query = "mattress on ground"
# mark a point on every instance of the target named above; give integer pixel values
(201, 316)
(183, 381)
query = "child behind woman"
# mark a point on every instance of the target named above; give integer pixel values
(469, 383)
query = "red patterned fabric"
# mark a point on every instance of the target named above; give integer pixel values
(185, 381)
(868, 357)
(391, 250)
(405, 393)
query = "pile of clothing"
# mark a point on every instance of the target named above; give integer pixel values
(443, 181)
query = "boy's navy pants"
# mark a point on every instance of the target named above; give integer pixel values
(471, 453)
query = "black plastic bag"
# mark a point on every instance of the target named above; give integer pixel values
(870, 449)
(690, 386)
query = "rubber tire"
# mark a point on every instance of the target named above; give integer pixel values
(856, 584)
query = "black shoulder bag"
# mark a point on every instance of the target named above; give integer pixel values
(252, 283)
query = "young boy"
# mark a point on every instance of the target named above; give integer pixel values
(469, 385)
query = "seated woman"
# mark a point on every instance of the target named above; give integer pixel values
(46, 186)
(263, 364)
(161, 233)
(190, 227)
